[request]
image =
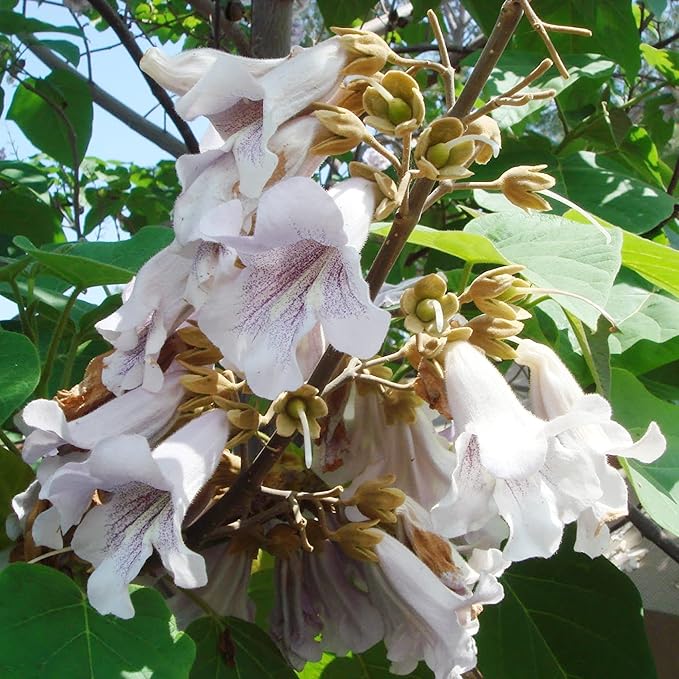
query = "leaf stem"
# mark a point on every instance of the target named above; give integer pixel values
(48, 367)
(583, 342)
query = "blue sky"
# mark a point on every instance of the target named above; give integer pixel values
(113, 70)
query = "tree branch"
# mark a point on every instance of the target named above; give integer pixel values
(238, 498)
(126, 115)
(125, 36)
(271, 28)
(653, 532)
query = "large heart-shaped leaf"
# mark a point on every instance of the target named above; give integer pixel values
(49, 631)
(20, 371)
(568, 617)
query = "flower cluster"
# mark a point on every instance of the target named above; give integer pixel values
(446, 477)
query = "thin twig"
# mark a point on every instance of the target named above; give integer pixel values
(448, 75)
(125, 36)
(541, 28)
(505, 98)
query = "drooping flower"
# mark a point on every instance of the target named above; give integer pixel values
(423, 618)
(302, 270)
(247, 100)
(145, 497)
(554, 392)
(138, 411)
(364, 446)
(509, 461)
(305, 606)
(164, 294)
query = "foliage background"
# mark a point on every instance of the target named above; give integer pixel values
(74, 228)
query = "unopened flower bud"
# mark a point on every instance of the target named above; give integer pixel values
(487, 127)
(400, 405)
(347, 130)
(392, 195)
(368, 52)
(394, 105)
(489, 334)
(493, 291)
(247, 419)
(358, 540)
(519, 185)
(376, 500)
(427, 306)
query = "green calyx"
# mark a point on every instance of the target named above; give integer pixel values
(438, 155)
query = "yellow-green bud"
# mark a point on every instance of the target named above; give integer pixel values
(399, 111)
(425, 310)
(438, 155)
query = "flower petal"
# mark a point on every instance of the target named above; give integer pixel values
(529, 508)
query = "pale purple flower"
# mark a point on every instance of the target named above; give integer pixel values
(226, 592)
(164, 294)
(146, 496)
(302, 270)
(424, 619)
(510, 462)
(138, 411)
(555, 392)
(247, 100)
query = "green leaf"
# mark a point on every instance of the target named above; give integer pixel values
(656, 483)
(15, 475)
(641, 314)
(558, 255)
(51, 632)
(666, 62)
(343, 13)
(373, 664)
(604, 188)
(89, 264)
(27, 174)
(55, 113)
(13, 23)
(233, 648)
(20, 372)
(568, 617)
(657, 263)
(28, 216)
(468, 246)
(67, 49)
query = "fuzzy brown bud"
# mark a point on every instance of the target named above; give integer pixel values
(358, 540)
(376, 500)
(519, 185)
(395, 105)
